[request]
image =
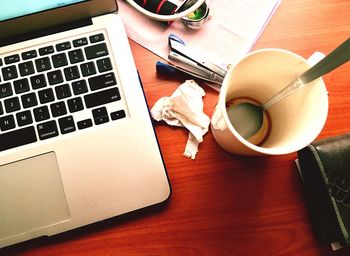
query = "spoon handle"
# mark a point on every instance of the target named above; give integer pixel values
(286, 91)
(337, 57)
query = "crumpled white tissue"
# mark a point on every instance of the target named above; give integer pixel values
(184, 108)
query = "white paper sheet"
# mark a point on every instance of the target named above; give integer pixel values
(227, 36)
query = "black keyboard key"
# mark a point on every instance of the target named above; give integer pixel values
(76, 56)
(63, 91)
(58, 109)
(118, 115)
(38, 81)
(0, 62)
(84, 124)
(26, 68)
(59, 60)
(88, 69)
(46, 96)
(21, 85)
(55, 77)
(24, 118)
(29, 55)
(9, 72)
(5, 90)
(75, 104)
(43, 64)
(1, 109)
(100, 115)
(79, 87)
(29, 100)
(47, 130)
(66, 124)
(12, 59)
(71, 73)
(41, 113)
(97, 38)
(96, 51)
(102, 81)
(63, 46)
(80, 42)
(17, 138)
(101, 120)
(46, 50)
(12, 104)
(99, 112)
(104, 65)
(102, 97)
(7, 123)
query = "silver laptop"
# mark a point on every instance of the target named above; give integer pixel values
(76, 140)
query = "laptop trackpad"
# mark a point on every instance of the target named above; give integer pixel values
(31, 195)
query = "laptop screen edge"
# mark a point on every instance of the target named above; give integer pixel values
(53, 17)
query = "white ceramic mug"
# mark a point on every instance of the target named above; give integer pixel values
(295, 121)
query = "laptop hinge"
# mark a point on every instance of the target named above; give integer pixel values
(45, 32)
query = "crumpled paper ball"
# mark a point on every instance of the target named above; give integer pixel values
(184, 108)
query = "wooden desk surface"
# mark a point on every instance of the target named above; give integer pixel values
(225, 204)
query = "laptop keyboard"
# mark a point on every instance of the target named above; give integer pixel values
(56, 90)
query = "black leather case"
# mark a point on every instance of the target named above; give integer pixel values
(325, 170)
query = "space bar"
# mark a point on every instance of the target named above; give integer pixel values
(17, 138)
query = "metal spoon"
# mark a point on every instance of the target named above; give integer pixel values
(247, 118)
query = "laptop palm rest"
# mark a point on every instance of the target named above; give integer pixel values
(31, 195)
